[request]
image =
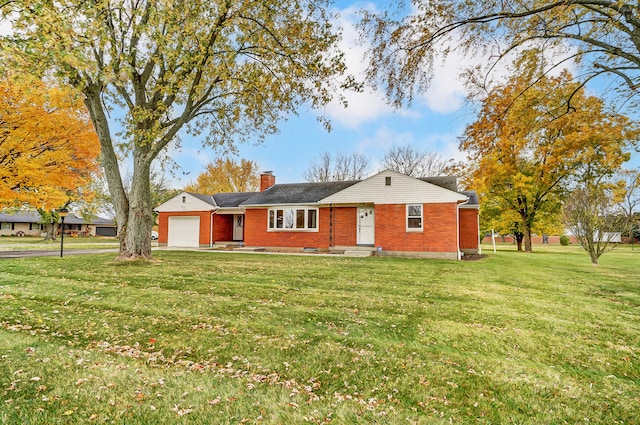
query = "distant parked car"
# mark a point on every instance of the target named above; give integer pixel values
(154, 235)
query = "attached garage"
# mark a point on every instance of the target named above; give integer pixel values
(184, 231)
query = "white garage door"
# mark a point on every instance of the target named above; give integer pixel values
(184, 232)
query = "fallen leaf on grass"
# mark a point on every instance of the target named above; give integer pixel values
(181, 411)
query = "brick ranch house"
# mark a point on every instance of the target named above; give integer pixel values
(389, 212)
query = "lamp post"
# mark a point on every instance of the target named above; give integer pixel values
(62, 213)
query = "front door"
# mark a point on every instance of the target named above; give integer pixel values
(238, 227)
(366, 226)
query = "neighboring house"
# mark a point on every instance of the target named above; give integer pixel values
(388, 212)
(29, 223)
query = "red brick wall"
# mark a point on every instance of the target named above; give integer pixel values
(344, 226)
(205, 223)
(256, 234)
(468, 229)
(439, 229)
(223, 227)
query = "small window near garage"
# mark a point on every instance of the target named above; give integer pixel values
(6, 226)
(184, 199)
(414, 217)
(387, 181)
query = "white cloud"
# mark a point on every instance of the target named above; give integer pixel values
(446, 93)
(5, 28)
(376, 146)
(369, 104)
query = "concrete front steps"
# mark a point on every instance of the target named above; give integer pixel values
(354, 251)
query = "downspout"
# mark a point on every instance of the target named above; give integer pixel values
(479, 236)
(458, 227)
(211, 228)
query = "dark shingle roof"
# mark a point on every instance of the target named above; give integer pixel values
(34, 217)
(447, 182)
(20, 217)
(204, 198)
(97, 221)
(231, 200)
(297, 193)
(473, 196)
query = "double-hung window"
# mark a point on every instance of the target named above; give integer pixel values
(294, 218)
(414, 218)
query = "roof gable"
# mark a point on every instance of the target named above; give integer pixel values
(401, 189)
(187, 201)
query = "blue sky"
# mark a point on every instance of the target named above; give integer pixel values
(368, 126)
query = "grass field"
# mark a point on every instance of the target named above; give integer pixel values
(12, 243)
(217, 338)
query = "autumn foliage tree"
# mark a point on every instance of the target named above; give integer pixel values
(220, 71)
(48, 147)
(227, 175)
(526, 147)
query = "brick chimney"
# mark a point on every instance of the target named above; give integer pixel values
(267, 179)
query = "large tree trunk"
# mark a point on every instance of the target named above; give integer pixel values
(527, 240)
(518, 240)
(110, 162)
(50, 231)
(137, 236)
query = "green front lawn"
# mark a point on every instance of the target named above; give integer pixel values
(215, 338)
(12, 243)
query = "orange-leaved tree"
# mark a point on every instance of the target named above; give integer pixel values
(227, 175)
(48, 148)
(528, 144)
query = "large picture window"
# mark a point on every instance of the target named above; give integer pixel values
(293, 219)
(414, 217)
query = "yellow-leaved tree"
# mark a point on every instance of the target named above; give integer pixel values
(527, 146)
(227, 175)
(48, 147)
